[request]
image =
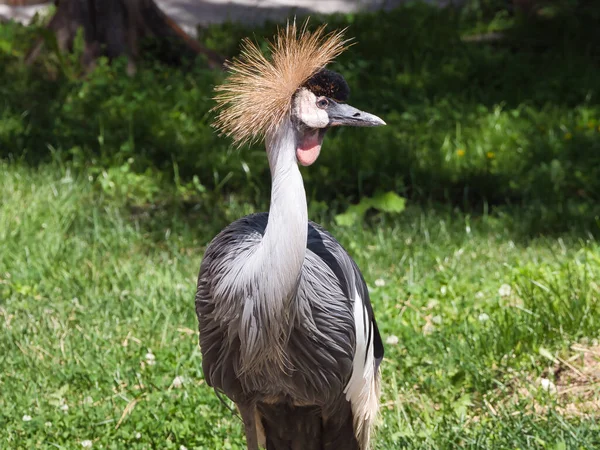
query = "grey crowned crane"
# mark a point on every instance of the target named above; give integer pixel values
(286, 325)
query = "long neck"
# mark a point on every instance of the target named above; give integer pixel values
(284, 242)
(271, 274)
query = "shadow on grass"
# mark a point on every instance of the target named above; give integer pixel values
(475, 125)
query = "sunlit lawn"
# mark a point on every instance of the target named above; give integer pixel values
(111, 186)
(491, 333)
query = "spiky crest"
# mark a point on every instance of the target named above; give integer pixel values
(258, 93)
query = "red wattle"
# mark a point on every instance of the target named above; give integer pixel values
(309, 149)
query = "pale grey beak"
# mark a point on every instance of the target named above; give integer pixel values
(343, 114)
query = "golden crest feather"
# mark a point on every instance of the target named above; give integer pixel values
(258, 93)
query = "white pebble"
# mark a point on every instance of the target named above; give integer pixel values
(150, 358)
(505, 290)
(548, 385)
(392, 340)
(178, 381)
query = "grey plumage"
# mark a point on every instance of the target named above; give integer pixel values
(316, 335)
(286, 326)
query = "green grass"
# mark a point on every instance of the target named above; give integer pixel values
(89, 288)
(468, 123)
(111, 187)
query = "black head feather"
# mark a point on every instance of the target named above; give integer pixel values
(328, 83)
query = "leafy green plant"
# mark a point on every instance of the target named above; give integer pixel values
(471, 124)
(122, 184)
(388, 202)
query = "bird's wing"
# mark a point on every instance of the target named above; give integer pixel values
(351, 280)
(216, 318)
(362, 387)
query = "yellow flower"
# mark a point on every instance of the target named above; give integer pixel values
(568, 136)
(460, 152)
(490, 155)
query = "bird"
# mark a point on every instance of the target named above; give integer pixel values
(286, 327)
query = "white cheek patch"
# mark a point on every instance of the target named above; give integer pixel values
(306, 110)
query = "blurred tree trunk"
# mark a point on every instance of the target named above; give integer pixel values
(115, 27)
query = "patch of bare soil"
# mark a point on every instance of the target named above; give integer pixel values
(577, 381)
(570, 387)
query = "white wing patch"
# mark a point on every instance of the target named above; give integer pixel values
(362, 391)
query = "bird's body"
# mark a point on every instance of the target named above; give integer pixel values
(307, 377)
(286, 326)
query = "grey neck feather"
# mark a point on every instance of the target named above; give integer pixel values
(284, 241)
(272, 272)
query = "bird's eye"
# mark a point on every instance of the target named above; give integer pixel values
(322, 103)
